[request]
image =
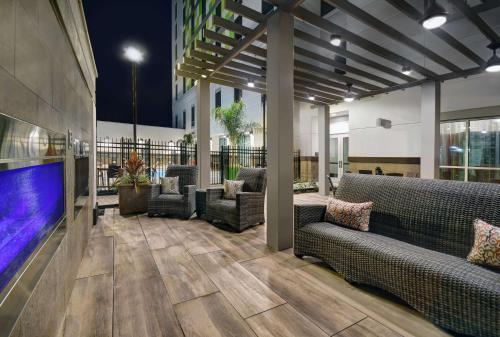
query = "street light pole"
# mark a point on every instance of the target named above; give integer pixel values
(134, 101)
(135, 56)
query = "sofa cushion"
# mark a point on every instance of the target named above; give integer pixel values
(352, 215)
(224, 205)
(389, 253)
(486, 249)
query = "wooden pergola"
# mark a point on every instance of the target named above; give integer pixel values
(296, 62)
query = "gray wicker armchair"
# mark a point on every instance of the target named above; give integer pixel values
(247, 209)
(420, 234)
(180, 205)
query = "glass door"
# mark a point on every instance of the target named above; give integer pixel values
(339, 156)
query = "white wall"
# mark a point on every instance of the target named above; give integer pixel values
(118, 130)
(403, 109)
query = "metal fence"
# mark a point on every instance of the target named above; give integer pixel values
(157, 155)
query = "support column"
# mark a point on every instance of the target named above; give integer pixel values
(324, 149)
(203, 133)
(430, 119)
(280, 131)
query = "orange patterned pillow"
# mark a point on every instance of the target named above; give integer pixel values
(352, 215)
(486, 249)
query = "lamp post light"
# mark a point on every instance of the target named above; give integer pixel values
(135, 56)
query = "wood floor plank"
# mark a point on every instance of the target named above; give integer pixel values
(245, 292)
(90, 309)
(98, 257)
(158, 233)
(133, 261)
(379, 306)
(182, 276)
(284, 321)
(368, 328)
(211, 316)
(128, 230)
(142, 308)
(307, 295)
(194, 241)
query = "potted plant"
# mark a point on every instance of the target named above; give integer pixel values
(134, 187)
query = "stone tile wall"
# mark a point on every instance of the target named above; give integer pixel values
(47, 77)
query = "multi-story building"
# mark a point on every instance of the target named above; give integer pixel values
(188, 19)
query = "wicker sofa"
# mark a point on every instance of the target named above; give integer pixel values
(180, 205)
(248, 208)
(420, 234)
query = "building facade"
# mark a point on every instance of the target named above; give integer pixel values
(189, 17)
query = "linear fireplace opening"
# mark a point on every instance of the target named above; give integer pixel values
(31, 207)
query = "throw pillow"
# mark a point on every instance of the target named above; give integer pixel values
(231, 187)
(352, 215)
(486, 249)
(170, 185)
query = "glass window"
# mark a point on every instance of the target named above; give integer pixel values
(237, 94)
(470, 150)
(218, 99)
(184, 119)
(193, 116)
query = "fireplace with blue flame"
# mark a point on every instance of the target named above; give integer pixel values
(32, 196)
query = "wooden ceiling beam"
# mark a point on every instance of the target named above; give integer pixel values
(477, 21)
(329, 27)
(390, 32)
(414, 14)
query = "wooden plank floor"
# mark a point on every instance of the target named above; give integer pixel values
(159, 277)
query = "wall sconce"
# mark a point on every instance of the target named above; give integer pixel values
(384, 123)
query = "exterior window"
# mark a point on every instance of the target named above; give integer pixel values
(175, 53)
(184, 119)
(175, 11)
(176, 92)
(176, 121)
(203, 9)
(222, 141)
(470, 150)
(183, 85)
(237, 94)
(193, 116)
(218, 10)
(218, 98)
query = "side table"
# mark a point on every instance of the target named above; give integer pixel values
(201, 200)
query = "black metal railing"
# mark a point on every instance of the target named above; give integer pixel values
(157, 155)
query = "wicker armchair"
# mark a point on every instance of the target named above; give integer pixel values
(180, 205)
(247, 209)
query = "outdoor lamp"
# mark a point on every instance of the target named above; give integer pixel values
(493, 64)
(434, 16)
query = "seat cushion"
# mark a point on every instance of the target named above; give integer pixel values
(384, 255)
(171, 197)
(224, 205)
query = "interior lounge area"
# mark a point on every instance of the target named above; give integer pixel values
(391, 107)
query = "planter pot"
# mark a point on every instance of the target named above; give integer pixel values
(131, 202)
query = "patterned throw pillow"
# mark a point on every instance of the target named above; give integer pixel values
(170, 185)
(352, 215)
(231, 187)
(486, 249)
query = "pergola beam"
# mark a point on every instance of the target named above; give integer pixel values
(416, 15)
(477, 20)
(244, 11)
(329, 27)
(390, 32)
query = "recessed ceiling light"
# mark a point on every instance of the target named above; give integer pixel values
(493, 64)
(435, 16)
(406, 70)
(210, 69)
(251, 84)
(311, 97)
(203, 76)
(336, 40)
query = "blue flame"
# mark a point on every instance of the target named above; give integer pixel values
(31, 205)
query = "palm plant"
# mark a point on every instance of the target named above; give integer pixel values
(232, 119)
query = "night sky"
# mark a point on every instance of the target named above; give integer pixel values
(113, 23)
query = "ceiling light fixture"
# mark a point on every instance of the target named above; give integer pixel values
(311, 97)
(336, 40)
(493, 64)
(406, 70)
(435, 16)
(349, 96)
(203, 76)
(251, 84)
